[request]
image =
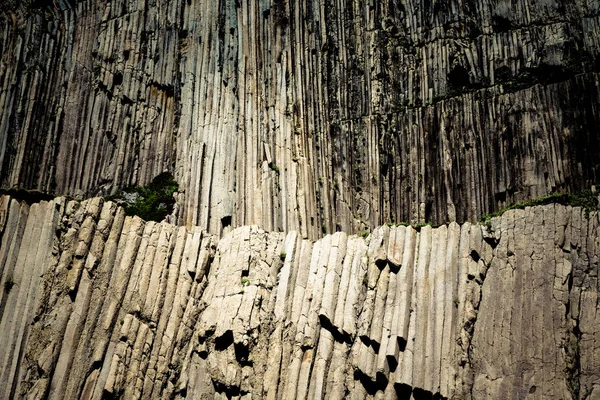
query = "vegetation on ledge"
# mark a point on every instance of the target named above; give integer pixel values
(585, 199)
(417, 226)
(151, 203)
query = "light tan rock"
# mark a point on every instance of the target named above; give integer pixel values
(140, 325)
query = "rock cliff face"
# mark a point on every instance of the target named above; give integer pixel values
(287, 123)
(303, 115)
(98, 305)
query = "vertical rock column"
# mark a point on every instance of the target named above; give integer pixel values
(27, 242)
(544, 271)
(95, 303)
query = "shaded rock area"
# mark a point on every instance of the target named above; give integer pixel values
(95, 304)
(303, 116)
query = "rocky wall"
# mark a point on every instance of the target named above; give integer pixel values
(300, 115)
(95, 304)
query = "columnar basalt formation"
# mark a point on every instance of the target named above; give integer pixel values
(95, 304)
(303, 116)
(291, 127)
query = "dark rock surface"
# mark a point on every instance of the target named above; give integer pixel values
(303, 115)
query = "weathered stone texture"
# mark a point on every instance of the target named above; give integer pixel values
(299, 115)
(94, 303)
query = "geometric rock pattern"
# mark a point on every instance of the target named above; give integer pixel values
(307, 116)
(95, 304)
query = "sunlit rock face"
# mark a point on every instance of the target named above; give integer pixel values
(300, 134)
(300, 115)
(98, 305)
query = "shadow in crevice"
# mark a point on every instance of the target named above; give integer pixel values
(381, 263)
(371, 386)
(224, 341)
(401, 343)
(404, 392)
(242, 354)
(229, 391)
(421, 394)
(340, 337)
(392, 362)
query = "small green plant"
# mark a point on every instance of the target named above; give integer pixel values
(245, 281)
(282, 256)
(365, 234)
(274, 168)
(151, 203)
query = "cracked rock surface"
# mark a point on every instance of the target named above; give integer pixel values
(94, 304)
(307, 116)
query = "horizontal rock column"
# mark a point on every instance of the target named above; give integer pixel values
(98, 304)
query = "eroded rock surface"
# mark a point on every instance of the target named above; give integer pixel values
(96, 304)
(303, 116)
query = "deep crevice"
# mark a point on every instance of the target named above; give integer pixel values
(572, 349)
(242, 354)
